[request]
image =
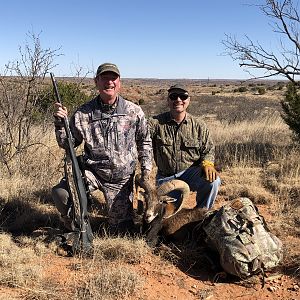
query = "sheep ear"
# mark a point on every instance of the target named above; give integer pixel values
(170, 210)
(173, 207)
(167, 199)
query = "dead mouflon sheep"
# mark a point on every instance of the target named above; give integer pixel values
(164, 216)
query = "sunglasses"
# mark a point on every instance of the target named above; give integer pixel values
(175, 96)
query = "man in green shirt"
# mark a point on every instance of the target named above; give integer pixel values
(183, 148)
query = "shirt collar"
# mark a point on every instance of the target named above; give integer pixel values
(171, 120)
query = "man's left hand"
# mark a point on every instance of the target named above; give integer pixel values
(210, 173)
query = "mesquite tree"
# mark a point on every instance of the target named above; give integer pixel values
(254, 56)
(285, 21)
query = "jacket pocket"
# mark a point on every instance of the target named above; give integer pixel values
(190, 143)
(164, 142)
(190, 150)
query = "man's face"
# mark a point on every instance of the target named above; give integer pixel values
(108, 85)
(178, 101)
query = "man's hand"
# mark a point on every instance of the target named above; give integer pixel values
(60, 111)
(210, 173)
(209, 170)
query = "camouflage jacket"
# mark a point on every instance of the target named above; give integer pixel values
(177, 147)
(112, 142)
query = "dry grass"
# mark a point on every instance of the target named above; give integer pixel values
(122, 248)
(108, 275)
(110, 281)
(19, 266)
(245, 182)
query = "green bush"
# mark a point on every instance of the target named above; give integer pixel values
(71, 96)
(242, 89)
(215, 92)
(280, 85)
(291, 109)
(261, 90)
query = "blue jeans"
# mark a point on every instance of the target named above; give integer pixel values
(206, 191)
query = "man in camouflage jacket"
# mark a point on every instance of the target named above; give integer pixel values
(115, 136)
(183, 148)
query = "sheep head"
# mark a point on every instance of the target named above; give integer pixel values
(157, 199)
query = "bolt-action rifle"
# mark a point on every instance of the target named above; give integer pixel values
(83, 235)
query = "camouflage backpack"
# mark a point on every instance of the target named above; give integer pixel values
(241, 237)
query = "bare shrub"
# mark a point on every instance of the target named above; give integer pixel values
(21, 88)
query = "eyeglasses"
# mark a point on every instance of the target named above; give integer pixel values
(175, 96)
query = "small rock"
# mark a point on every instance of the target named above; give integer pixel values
(272, 289)
(193, 292)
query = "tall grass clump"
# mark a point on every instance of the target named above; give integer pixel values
(19, 267)
(109, 282)
(126, 249)
(109, 275)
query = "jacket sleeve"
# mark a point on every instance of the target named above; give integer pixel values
(207, 148)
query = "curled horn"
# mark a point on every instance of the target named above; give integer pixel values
(175, 185)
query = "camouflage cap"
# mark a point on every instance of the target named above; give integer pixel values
(177, 87)
(107, 67)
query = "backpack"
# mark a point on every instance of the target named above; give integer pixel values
(240, 236)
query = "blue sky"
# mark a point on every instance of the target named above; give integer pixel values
(146, 39)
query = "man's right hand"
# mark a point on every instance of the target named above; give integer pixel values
(60, 111)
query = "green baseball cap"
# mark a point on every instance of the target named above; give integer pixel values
(107, 67)
(177, 87)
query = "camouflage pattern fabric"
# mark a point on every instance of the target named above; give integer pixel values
(113, 142)
(118, 197)
(177, 147)
(115, 138)
(241, 237)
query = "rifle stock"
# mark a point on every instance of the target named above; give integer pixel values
(83, 233)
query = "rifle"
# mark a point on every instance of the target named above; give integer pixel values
(83, 235)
